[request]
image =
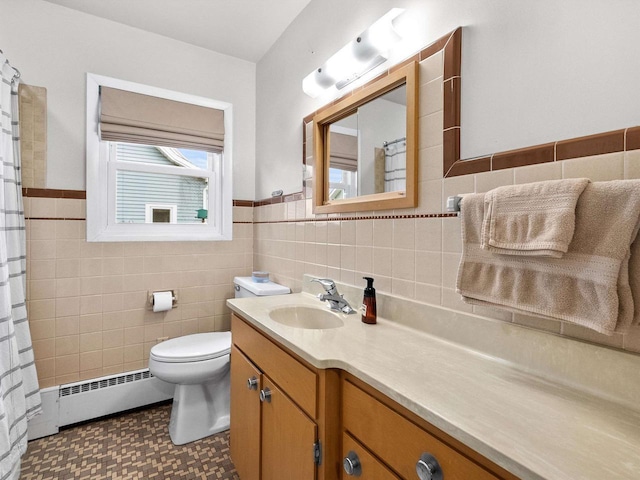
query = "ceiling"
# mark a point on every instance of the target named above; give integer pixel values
(244, 29)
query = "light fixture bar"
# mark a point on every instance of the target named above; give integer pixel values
(358, 57)
(378, 60)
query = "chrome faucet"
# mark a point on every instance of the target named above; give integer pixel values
(335, 300)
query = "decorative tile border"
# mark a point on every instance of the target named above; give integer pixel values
(56, 218)
(633, 138)
(243, 203)
(292, 197)
(52, 193)
(608, 142)
(364, 217)
(453, 165)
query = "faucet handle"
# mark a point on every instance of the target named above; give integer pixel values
(328, 284)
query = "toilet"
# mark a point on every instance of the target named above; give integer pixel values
(198, 365)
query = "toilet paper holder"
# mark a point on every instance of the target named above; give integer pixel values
(174, 298)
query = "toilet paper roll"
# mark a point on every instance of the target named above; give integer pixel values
(162, 301)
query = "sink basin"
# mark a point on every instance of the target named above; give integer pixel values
(306, 317)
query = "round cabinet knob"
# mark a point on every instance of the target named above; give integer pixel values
(252, 383)
(428, 468)
(265, 395)
(351, 464)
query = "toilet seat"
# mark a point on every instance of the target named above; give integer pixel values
(192, 348)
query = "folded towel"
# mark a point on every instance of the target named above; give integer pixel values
(534, 219)
(591, 285)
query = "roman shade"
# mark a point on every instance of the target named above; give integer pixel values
(343, 152)
(136, 118)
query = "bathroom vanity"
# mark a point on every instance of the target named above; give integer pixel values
(291, 419)
(390, 400)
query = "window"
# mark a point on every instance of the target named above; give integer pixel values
(342, 184)
(160, 213)
(149, 182)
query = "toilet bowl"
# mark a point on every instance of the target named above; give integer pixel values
(198, 365)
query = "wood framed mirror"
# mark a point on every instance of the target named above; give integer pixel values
(365, 147)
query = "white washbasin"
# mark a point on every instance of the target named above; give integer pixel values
(306, 317)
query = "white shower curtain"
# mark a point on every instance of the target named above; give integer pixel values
(395, 166)
(19, 392)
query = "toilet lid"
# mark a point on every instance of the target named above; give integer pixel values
(193, 348)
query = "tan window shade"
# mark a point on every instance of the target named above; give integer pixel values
(136, 118)
(343, 152)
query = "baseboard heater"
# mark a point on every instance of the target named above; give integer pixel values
(95, 398)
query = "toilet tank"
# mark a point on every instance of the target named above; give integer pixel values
(246, 287)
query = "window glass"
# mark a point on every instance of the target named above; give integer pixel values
(161, 215)
(135, 189)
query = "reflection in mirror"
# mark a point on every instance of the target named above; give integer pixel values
(368, 148)
(343, 158)
(364, 147)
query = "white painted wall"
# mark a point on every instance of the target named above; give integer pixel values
(532, 71)
(55, 46)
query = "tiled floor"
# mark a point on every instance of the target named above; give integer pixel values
(131, 446)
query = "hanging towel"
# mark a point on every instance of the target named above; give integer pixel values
(534, 219)
(591, 285)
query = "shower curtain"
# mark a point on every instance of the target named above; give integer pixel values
(395, 168)
(19, 392)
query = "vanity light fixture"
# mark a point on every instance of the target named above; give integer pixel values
(370, 49)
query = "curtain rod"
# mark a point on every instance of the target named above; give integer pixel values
(15, 75)
(384, 144)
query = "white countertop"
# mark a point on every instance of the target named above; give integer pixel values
(532, 426)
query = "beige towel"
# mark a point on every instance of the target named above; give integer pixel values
(533, 219)
(589, 285)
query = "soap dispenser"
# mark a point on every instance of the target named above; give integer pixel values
(369, 303)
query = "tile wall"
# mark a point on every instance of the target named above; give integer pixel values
(87, 302)
(414, 253)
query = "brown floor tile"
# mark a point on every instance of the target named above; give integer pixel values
(131, 446)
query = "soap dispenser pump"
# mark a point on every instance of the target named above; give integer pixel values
(369, 303)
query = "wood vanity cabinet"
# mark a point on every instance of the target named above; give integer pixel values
(278, 412)
(282, 407)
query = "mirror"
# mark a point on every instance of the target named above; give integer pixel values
(365, 147)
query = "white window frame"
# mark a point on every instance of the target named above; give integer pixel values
(101, 173)
(150, 207)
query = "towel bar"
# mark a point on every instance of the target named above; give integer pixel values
(453, 203)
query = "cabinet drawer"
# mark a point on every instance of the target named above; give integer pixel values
(371, 467)
(399, 442)
(293, 377)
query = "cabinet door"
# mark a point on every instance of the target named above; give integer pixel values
(288, 436)
(245, 416)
